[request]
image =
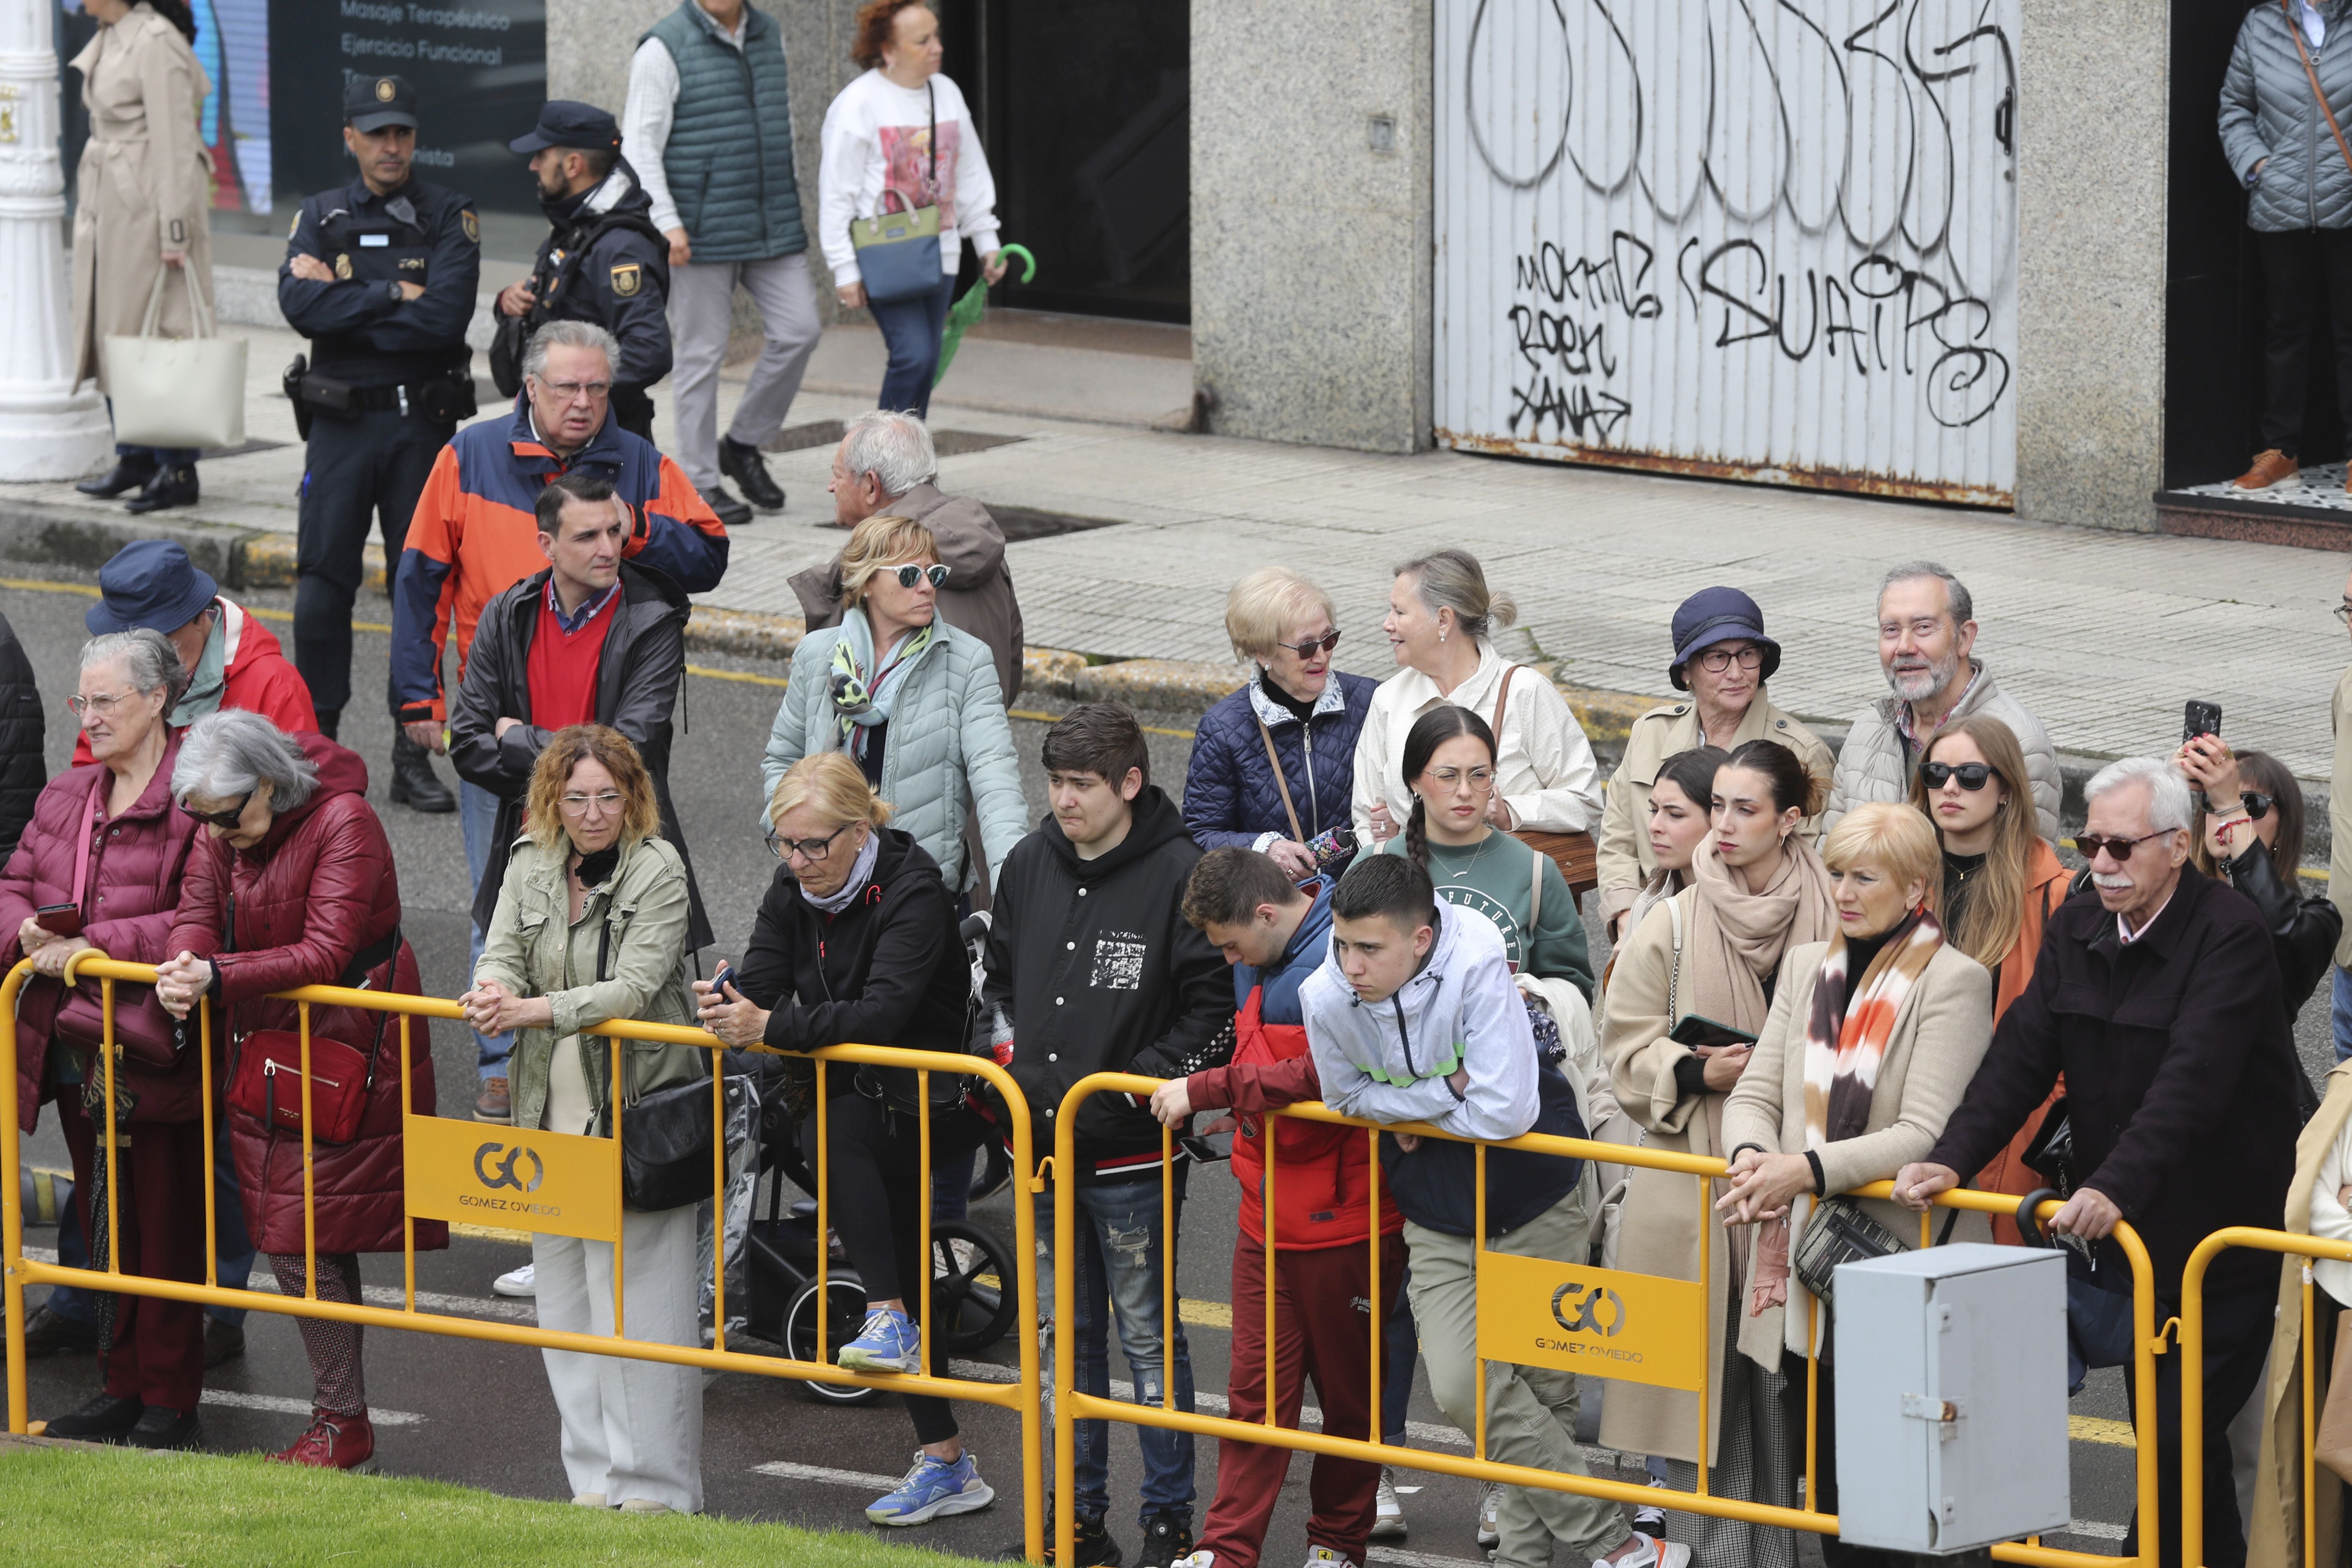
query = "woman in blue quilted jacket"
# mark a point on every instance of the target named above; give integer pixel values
(1273, 765)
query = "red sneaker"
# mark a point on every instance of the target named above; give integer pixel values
(334, 1443)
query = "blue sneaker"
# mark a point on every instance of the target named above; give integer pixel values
(888, 1343)
(933, 1490)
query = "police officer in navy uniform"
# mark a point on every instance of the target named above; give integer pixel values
(602, 260)
(380, 276)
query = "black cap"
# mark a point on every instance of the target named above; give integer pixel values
(565, 123)
(150, 583)
(373, 102)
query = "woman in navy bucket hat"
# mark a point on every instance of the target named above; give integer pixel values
(1722, 658)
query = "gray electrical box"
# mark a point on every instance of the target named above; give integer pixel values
(1951, 1398)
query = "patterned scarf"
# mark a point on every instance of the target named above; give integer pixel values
(1844, 1045)
(862, 701)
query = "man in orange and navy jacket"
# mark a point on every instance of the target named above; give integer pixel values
(1276, 934)
(476, 535)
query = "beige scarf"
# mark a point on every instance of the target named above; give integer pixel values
(1737, 937)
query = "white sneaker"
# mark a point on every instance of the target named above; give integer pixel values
(1324, 1557)
(1653, 1552)
(522, 1281)
(648, 1505)
(1490, 1496)
(1650, 1519)
(590, 1499)
(1201, 1559)
(1388, 1523)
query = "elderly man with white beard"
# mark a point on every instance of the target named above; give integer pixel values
(2157, 995)
(1927, 630)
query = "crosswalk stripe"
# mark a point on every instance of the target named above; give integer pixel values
(278, 1405)
(785, 1471)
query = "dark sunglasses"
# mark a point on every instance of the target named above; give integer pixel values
(909, 575)
(226, 821)
(1312, 646)
(2121, 848)
(1972, 776)
(2258, 805)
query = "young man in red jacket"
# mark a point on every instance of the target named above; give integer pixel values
(1276, 934)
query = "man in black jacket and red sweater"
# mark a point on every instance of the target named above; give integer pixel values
(1091, 959)
(2156, 994)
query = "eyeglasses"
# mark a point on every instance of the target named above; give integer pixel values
(101, 707)
(1446, 778)
(2120, 848)
(910, 575)
(1972, 776)
(226, 821)
(2343, 612)
(573, 391)
(809, 849)
(1715, 661)
(1312, 646)
(605, 801)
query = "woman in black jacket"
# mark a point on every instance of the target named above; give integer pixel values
(2252, 836)
(855, 943)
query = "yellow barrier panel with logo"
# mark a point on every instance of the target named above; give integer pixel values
(463, 1160)
(1540, 1304)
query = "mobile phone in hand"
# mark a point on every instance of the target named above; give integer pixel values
(721, 980)
(2200, 719)
(59, 920)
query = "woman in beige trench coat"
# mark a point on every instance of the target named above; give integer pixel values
(2274, 1536)
(142, 195)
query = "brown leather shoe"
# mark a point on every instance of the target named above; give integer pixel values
(2272, 469)
(494, 1103)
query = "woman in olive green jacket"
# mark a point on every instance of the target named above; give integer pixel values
(590, 927)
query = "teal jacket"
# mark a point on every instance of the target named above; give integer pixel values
(729, 156)
(950, 747)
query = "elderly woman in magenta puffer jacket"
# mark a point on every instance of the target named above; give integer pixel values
(289, 834)
(1296, 707)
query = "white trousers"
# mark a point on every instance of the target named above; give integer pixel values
(631, 1428)
(702, 307)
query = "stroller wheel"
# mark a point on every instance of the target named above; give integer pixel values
(845, 1315)
(973, 1297)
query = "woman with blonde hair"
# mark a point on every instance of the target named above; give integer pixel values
(591, 926)
(1273, 764)
(1872, 1040)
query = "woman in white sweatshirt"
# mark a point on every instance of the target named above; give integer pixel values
(897, 138)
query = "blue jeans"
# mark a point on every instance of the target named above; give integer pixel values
(477, 816)
(1120, 1252)
(2339, 1011)
(910, 330)
(233, 1251)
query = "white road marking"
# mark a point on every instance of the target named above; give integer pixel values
(271, 1402)
(386, 1295)
(785, 1471)
(2091, 1530)
(1404, 1559)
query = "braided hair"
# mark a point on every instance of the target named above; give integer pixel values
(1431, 731)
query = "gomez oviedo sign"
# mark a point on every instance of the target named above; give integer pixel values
(1636, 1328)
(478, 1173)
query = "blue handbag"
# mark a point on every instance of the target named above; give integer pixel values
(899, 253)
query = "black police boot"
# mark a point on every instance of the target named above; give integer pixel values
(741, 462)
(732, 512)
(102, 1419)
(414, 783)
(170, 486)
(131, 471)
(329, 721)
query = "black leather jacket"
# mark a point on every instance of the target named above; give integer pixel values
(2304, 931)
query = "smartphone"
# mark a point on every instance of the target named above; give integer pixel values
(722, 979)
(1695, 1031)
(59, 920)
(2200, 719)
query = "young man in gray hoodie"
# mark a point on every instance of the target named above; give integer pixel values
(1414, 1019)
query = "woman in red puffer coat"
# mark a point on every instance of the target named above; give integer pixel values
(289, 837)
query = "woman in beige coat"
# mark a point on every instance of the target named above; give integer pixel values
(1711, 952)
(2315, 1206)
(1872, 1039)
(142, 195)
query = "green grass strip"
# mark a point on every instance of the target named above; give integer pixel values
(130, 1509)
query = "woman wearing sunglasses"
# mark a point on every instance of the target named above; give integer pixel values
(855, 943)
(911, 700)
(2253, 836)
(1273, 765)
(591, 925)
(2001, 880)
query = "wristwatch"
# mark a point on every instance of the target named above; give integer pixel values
(391, 287)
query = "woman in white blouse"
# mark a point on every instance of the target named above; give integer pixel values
(1440, 613)
(900, 138)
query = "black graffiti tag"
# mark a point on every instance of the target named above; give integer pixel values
(1574, 410)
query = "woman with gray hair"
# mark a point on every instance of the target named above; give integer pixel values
(99, 866)
(292, 847)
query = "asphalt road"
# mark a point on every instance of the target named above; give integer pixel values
(480, 1414)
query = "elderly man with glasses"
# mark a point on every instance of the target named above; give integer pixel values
(477, 534)
(2157, 996)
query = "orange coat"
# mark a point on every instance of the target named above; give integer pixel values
(2045, 889)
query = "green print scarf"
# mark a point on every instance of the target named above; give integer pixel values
(862, 699)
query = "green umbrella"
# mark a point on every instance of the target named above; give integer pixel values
(967, 312)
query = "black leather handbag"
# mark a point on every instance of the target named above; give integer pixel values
(665, 1141)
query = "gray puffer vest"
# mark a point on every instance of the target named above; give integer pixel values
(2268, 112)
(729, 156)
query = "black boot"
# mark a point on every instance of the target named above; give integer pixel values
(174, 486)
(102, 1419)
(131, 471)
(162, 1428)
(414, 783)
(742, 463)
(329, 721)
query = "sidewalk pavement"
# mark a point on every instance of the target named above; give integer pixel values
(1127, 537)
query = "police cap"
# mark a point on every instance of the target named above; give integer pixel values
(565, 123)
(373, 102)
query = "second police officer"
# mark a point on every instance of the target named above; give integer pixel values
(380, 276)
(602, 260)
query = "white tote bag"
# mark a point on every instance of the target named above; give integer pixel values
(177, 392)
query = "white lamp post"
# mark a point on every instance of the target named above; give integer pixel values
(49, 429)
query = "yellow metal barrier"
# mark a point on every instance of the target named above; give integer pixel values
(601, 1222)
(1070, 1405)
(2192, 1382)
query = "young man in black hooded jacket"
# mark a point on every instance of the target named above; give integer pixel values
(1091, 959)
